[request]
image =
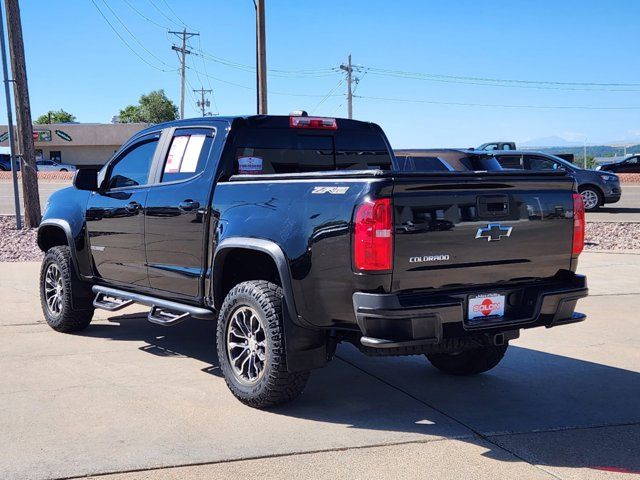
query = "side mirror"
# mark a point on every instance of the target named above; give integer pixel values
(86, 179)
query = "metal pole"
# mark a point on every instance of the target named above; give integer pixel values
(585, 152)
(349, 92)
(262, 57)
(12, 141)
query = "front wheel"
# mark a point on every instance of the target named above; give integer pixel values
(468, 362)
(251, 346)
(56, 280)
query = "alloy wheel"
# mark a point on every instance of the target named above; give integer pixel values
(590, 199)
(246, 345)
(53, 289)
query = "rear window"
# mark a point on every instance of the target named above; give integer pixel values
(423, 164)
(457, 161)
(275, 151)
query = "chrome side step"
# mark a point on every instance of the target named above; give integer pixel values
(112, 304)
(166, 318)
(163, 312)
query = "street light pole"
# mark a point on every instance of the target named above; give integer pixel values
(12, 140)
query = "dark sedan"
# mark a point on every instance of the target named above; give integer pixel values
(597, 187)
(628, 165)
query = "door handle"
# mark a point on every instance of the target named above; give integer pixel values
(132, 207)
(188, 205)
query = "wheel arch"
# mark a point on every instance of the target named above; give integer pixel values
(266, 249)
(592, 186)
(55, 232)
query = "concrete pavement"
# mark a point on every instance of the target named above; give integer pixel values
(130, 396)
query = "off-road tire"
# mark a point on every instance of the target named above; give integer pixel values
(277, 385)
(468, 362)
(69, 319)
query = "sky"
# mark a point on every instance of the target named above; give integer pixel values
(421, 63)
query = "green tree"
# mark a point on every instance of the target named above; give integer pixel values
(153, 107)
(55, 116)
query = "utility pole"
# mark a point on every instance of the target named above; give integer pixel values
(184, 52)
(203, 103)
(32, 211)
(351, 79)
(261, 51)
(12, 140)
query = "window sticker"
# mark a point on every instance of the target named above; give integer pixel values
(192, 154)
(174, 159)
(249, 165)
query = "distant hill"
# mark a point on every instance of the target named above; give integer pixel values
(592, 150)
(552, 141)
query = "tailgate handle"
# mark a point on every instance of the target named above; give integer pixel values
(493, 205)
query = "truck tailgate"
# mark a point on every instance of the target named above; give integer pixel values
(480, 229)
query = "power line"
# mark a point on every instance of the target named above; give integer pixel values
(133, 36)
(514, 83)
(324, 99)
(127, 43)
(164, 14)
(145, 17)
(246, 87)
(174, 13)
(491, 105)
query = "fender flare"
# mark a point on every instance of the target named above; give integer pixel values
(66, 228)
(266, 246)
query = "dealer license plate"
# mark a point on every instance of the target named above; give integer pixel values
(490, 306)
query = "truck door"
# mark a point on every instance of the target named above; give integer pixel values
(177, 213)
(115, 215)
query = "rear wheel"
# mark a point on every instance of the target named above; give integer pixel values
(591, 198)
(251, 346)
(56, 279)
(468, 362)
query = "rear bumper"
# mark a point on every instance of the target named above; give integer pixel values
(410, 320)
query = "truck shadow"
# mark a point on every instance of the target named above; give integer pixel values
(534, 403)
(616, 210)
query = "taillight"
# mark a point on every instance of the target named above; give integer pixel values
(373, 240)
(313, 122)
(578, 224)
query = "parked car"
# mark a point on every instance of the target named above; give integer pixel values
(449, 159)
(597, 187)
(5, 163)
(491, 146)
(51, 166)
(628, 165)
(297, 233)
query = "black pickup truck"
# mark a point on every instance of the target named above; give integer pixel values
(296, 233)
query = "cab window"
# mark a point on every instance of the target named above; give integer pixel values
(132, 168)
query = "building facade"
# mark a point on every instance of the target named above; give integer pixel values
(80, 144)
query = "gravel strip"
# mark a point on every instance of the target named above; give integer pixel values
(17, 245)
(20, 246)
(613, 236)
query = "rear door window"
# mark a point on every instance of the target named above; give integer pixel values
(511, 161)
(187, 155)
(541, 163)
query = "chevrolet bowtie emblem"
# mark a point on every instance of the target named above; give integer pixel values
(493, 232)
